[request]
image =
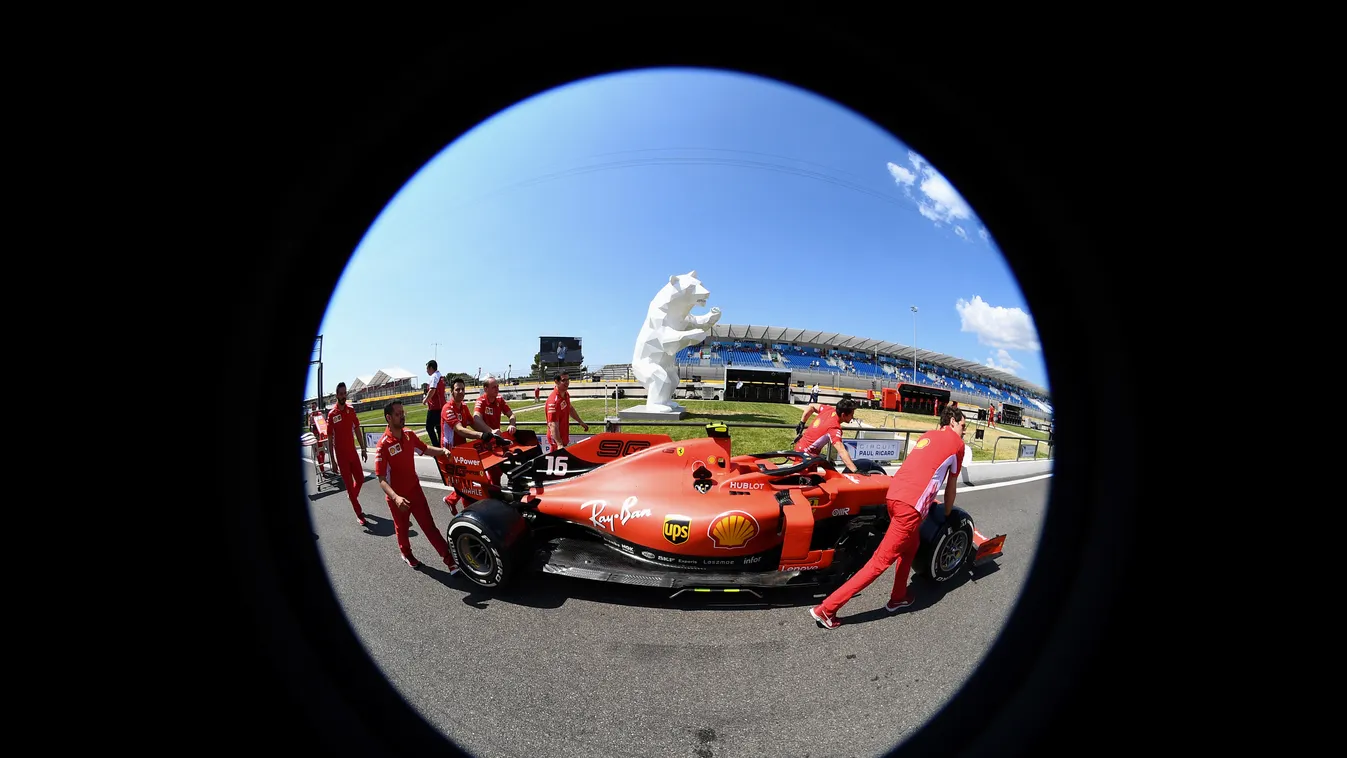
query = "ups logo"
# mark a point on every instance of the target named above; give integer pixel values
(676, 528)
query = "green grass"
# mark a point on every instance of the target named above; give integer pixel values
(743, 439)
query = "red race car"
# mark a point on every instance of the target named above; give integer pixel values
(643, 509)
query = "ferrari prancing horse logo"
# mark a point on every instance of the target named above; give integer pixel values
(679, 451)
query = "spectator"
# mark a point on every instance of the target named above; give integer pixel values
(936, 458)
(342, 427)
(396, 470)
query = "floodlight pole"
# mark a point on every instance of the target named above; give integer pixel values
(437, 351)
(914, 344)
(318, 350)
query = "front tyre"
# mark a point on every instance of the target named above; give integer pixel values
(948, 551)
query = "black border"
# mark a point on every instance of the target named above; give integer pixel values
(320, 135)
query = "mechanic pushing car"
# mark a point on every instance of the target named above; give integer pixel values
(396, 471)
(457, 427)
(936, 458)
(491, 407)
(827, 427)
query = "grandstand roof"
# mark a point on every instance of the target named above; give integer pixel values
(386, 375)
(360, 381)
(849, 342)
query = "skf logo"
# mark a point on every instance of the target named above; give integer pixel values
(732, 529)
(923, 443)
(679, 451)
(676, 528)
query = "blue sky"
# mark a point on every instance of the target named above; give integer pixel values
(566, 213)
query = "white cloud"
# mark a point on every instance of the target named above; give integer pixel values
(1004, 361)
(936, 198)
(901, 175)
(997, 326)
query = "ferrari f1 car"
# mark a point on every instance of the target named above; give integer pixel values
(643, 509)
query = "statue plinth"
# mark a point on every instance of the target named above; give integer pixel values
(667, 412)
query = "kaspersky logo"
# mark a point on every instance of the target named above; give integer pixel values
(676, 528)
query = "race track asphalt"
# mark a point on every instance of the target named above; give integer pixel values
(572, 668)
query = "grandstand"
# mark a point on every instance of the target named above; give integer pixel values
(841, 360)
(381, 386)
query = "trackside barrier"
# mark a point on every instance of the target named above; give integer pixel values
(881, 445)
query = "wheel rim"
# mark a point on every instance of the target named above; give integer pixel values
(952, 552)
(476, 556)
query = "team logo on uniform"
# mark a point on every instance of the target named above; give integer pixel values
(732, 529)
(676, 528)
(395, 449)
(923, 443)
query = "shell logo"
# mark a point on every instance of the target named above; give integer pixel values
(732, 529)
(922, 443)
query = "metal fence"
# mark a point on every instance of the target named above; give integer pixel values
(1027, 448)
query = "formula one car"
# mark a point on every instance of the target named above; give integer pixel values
(642, 509)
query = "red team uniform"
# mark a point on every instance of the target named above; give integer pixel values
(342, 426)
(937, 455)
(454, 413)
(559, 410)
(393, 461)
(491, 412)
(826, 427)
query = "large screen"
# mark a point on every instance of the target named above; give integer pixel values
(560, 350)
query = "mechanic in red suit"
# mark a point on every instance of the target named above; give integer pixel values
(491, 406)
(827, 427)
(319, 450)
(936, 458)
(343, 429)
(457, 428)
(396, 470)
(560, 411)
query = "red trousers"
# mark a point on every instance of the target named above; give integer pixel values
(421, 510)
(352, 475)
(900, 544)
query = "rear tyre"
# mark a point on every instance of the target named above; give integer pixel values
(854, 547)
(485, 542)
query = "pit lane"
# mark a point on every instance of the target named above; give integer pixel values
(567, 667)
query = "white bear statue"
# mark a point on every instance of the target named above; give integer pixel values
(669, 326)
